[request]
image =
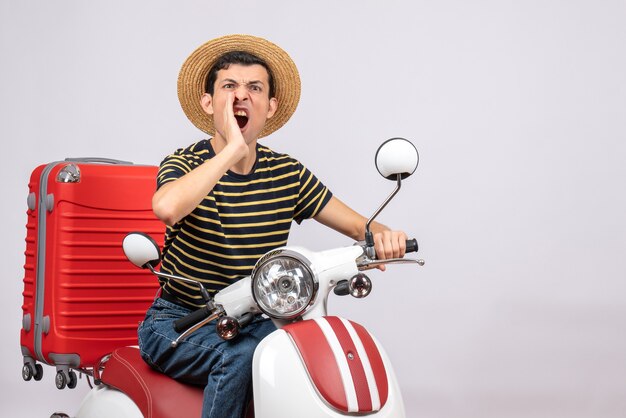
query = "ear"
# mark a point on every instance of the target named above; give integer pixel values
(206, 101)
(273, 107)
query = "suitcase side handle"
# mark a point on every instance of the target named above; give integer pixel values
(98, 160)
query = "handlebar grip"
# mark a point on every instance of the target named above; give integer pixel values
(411, 246)
(245, 319)
(185, 322)
(342, 288)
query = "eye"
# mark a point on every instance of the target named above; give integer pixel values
(256, 88)
(228, 86)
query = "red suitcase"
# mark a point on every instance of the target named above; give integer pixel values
(82, 298)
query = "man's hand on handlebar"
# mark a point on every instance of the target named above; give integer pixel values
(389, 244)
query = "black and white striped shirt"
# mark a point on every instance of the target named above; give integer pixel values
(242, 218)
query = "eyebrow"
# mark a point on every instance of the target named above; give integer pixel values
(230, 80)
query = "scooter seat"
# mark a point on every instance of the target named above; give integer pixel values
(156, 395)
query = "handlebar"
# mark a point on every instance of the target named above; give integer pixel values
(205, 312)
(342, 288)
(370, 260)
(411, 247)
(185, 322)
(245, 319)
(194, 317)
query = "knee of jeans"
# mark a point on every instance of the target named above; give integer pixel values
(241, 352)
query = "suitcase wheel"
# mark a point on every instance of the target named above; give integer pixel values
(38, 372)
(64, 379)
(73, 380)
(60, 380)
(28, 372)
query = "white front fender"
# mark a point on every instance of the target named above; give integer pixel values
(105, 402)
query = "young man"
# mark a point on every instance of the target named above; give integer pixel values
(226, 202)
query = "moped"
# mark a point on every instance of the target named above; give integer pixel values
(312, 366)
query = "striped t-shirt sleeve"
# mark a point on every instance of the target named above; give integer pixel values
(175, 166)
(312, 198)
(178, 164)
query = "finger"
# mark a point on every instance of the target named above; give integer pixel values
(395, 245)
(387, 250)
(230, 100)
(402, 244)
(226, 111)
(378, 245)
(382, 246)
(399, 242)
(391, 247)
(381, 267)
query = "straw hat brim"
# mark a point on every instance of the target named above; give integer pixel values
(193, 74)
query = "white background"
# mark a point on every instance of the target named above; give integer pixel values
(517, 108)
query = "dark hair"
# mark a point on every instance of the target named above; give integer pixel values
(241, 58)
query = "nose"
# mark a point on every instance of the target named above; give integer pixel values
(241, 93)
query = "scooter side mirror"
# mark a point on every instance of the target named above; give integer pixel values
(141, 250)
(396, 159)
(396, 156)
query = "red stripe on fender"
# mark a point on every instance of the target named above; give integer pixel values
(376, 361)
(319, 361)
(356, 366)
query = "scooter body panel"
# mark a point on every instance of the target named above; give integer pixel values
(105, 402)
(283, 387)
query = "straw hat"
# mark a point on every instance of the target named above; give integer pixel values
(195, 69)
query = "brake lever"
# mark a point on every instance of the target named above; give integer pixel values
(367, 263)
(194, 328)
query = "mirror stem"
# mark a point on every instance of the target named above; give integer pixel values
(170, 276)
(369, 237)
(203, 291)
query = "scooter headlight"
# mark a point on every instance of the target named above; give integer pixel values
(283, 284)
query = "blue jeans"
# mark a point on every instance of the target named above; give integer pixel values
(224, 368)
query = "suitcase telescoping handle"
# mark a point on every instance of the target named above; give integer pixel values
(98, 160)
(71, 173)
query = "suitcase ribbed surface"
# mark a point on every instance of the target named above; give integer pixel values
(93, 297)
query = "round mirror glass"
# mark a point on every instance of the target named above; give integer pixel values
(141, 249)
(396, 156)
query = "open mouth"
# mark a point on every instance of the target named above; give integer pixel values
(242, 118)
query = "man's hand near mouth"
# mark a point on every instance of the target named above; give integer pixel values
(232, 131)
